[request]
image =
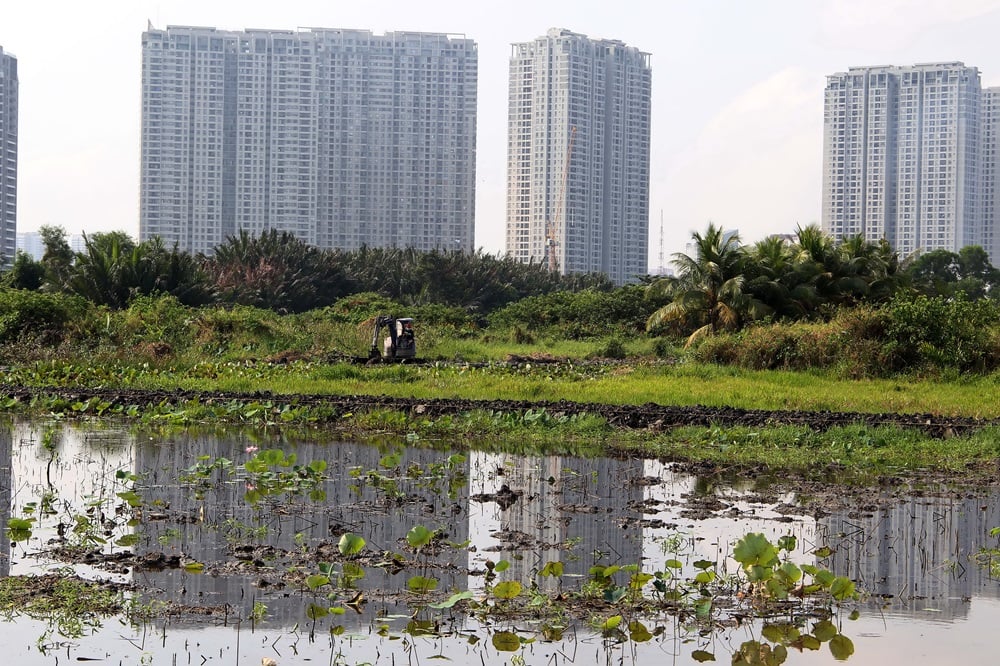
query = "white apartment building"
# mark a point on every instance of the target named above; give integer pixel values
(578, 155)
(903, 157)
(8, 157)
(342, 137)
(990, 174)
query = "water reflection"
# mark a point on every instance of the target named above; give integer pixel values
(530, 511)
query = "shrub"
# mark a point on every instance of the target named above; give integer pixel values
(943, 333)
(154, 319)
(614, 348)
(586, 314)
(358, 308)
(46, 318)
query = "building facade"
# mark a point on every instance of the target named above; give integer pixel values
(909, 157)
(578, 155)
(990, 174)
(341, 137)
(8, 157)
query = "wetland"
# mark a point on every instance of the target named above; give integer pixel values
(233, 545)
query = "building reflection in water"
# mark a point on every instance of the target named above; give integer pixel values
(527, 510)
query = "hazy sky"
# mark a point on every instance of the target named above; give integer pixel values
(736, 112)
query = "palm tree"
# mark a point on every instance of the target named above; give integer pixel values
(276, 270)
(707, 293)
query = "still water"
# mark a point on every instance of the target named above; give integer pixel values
(246, 543)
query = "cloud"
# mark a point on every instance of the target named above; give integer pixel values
(755, 166)
(890, 24)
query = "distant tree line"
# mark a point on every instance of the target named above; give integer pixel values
(722, 286)
(279, 272)
(725, 285)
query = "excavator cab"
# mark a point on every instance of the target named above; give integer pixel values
(399, 344)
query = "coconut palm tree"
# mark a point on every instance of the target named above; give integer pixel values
(707, 294)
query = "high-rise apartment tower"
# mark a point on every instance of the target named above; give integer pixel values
(578, 155)
(8, 156)
(341, 137)
(909, 156)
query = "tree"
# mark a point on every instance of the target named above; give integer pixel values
(949, 274)
(276, 271)
(778, 275)
(57, 258)
(25, 273)
(707, 293)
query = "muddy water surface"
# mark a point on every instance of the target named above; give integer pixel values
(232, 543)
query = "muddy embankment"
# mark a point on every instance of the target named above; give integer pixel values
(647, 416)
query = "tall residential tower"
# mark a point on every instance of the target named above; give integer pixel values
(8, 156)
(578, 155)
(907, 157)
(341, 137)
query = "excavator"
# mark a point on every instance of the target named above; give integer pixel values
(400, 343)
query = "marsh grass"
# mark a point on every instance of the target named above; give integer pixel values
(863, 450)
(71, 606)
(626, 382)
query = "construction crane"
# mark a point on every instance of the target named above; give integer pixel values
(552, 228)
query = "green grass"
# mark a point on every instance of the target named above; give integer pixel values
(840, 453)
(682, 384)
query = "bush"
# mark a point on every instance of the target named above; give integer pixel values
(909, 334)
(47, 318)
(154, 319)
(943, 333)
(359, 308)
(580, 315)
(614, 348)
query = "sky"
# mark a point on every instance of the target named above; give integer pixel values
(737, 104)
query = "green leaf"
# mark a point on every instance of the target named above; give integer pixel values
(507, 589)
(351, 544)
(317, 580)
(808, 642)
(131, 497)
(841, 647)
(790, 572)
(755, 549)
(552, 568)
(506, 641)
(787, 543)
(611, 623)
(613, 595)
(638, 632)
(780, 633)
(20, 523)
(421, 584)
(315, 611)
(501, 566)
(419, 536)
(701, 656)
(127, 540)
(824, 631)
(842, 588)
(452, 600)
(194, 567)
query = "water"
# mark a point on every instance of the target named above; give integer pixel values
(925, 598)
